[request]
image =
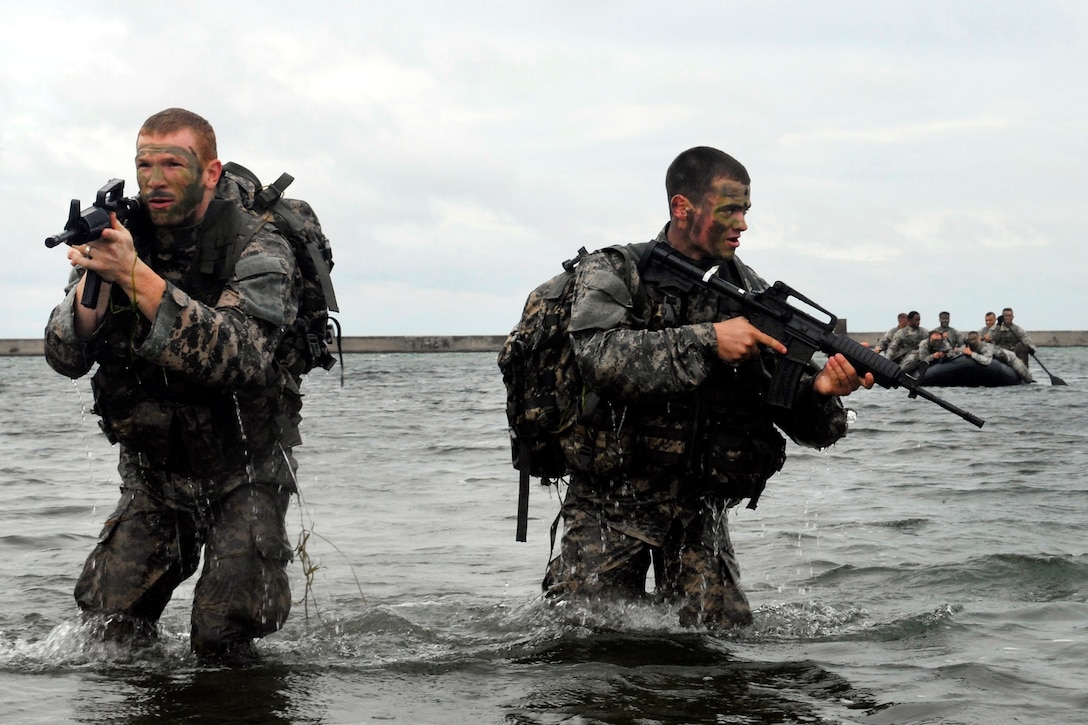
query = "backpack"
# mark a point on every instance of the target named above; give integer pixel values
(306, 344)
(544, 390)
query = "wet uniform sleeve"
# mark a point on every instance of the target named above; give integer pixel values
(618, 360)
(232, 344)
(65, 352)
(229, 345)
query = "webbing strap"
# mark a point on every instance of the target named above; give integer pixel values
(323, 275)
(523, 492)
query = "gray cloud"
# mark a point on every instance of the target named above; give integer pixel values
(925, 156)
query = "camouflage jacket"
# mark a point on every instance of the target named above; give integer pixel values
(954, 336)
(905, 342)
(658, 369)
(985, 353)
(1010, 337)
(887, 338)
(926, 350)
(205, 366)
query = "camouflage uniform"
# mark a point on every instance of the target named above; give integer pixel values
(987, 352)
(954, 336)
(925, 352)
(205, 420)
(1011, 336)
(883, 342)
(905, 342)
(677, 437)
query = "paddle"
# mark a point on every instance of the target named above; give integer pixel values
(1054, 379)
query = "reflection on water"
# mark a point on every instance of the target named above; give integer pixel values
(253, 695)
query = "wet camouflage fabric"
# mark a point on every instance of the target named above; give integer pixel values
(602, 556)
(541, 377)
(215, 350)
(210, 356)
(652, 365)
(905, 342)
(1012, 337)
(304, 347)
(147, 548)
(228, 344)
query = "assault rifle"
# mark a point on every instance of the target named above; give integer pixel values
(803, 334)
(87, 225)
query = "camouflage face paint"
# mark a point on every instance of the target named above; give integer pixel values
(717, 223)
(171, 182)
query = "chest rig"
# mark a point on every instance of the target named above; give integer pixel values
(719, 439)
(169, 418)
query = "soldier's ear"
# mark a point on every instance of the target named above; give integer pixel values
(212, 171)
(680, 208)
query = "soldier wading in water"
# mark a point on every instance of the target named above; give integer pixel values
(187, 384)
(682, 384)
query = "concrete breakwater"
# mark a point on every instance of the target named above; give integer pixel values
(493, 343)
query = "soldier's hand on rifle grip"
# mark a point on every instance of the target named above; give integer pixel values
(110, 256)
(118, 252)
(88, 319)
(739, 340)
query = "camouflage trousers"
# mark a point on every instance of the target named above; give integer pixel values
(146, 550)
(603, 554)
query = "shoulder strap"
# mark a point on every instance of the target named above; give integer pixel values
(265, 196)
(228, 233)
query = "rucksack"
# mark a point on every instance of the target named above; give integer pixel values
(306, 345)
(544, 390)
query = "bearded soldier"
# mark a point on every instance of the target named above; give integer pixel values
(196, 294)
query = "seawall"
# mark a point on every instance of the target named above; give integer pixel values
(493, 343)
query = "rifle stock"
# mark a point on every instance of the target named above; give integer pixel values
(772, 312)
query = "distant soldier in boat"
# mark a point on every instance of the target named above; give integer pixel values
(984, 353)
(1012, 337)
(988, 325)
(907, 339)
(885, 341)
(954, 336)
(934, 349)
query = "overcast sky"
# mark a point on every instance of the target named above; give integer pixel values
(920, 155)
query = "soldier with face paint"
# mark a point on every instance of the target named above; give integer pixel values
(681, 431)
(196, 294)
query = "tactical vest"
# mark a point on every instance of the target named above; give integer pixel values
(175, 423)
(719, 439)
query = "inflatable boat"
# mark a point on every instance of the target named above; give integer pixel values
(963, 371)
